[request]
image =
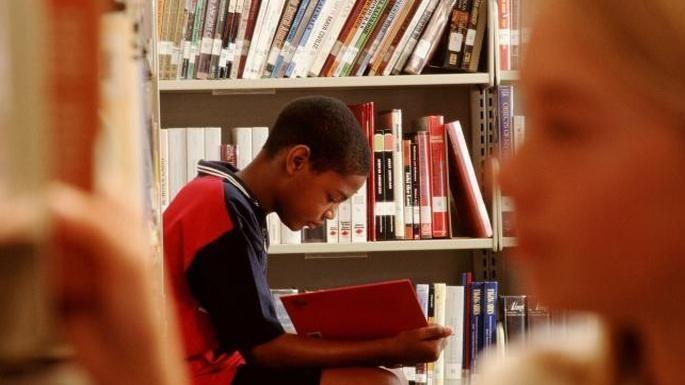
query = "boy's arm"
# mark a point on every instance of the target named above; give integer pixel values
(288, 350)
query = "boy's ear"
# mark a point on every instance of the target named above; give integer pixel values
(297, 158)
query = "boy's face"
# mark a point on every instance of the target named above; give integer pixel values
(309, 197)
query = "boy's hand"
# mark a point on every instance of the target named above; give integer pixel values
(420, 345)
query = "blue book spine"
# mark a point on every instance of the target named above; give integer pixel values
(489, 313)
(290, 37)
(476, 322)
(505, 114)
(308, 30)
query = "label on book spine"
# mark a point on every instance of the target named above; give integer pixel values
(206, 46)
(440, 204)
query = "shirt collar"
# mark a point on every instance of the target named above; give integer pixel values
(228, 172)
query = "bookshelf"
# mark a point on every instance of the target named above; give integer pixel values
(509, 76)
(256, 102)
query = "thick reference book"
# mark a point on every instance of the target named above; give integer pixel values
(361, 312)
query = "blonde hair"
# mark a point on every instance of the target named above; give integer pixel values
(646, 39)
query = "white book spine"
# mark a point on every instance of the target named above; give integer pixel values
(321, 53)
(273, 17)
(413, 38)
(305, 56)
(242, 138)
(195, 149)
(359, 215)
(248, 71)
(164, 167)
(398, 171)
(333, 229)
(519, 131)
(405, 36)
(345, 214)
(440, 304)
(259, 137)
(273, 224)
(454, 319)
(177, 161)
(212, 143)
(289, 237)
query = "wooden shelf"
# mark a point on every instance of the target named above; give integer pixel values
(229, 86)
(509, 76)
(388, 246)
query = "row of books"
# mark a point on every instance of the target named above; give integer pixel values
(511, 131)
(250, 39)
(514, 33)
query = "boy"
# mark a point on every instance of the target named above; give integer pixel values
(215, 237)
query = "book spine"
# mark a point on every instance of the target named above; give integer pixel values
(207, 40)
(489, 313)
(199, 20)
(440, 319)
(289, 237)
(273, 17)
(397, 28)
(178, 35)
(426, 215)
(291, 49)
(229, 154)
(361, 38)
(297, 58)
(515, 310)
(408, 190)
(504, 33)
(422, 293)
(345, 213)
(259, 137)
(290, 38)
(515, 34)
(505, 116)
(164, 167)
(242, 138)
(342, 37)
(454, 319)
(457, 34)
(233, 34)
(346, 49)
(389, 181)
(241, 56)
(187, 40)
(398, 173)
(319, 33)
(430, 366)
(329, 39)
(359, 210)
(164, 44)
(476, 323)
(467, 283)
(378, 34)
(414, 37)
(255, 39)
(212, 143)
(385, 63)
(333, 228)
(177, 161)
(220, 71)
(415, 189)
(519, 122)
(430, 38)
(195, 148)
(379, 161)
(438, 159)
(273, 225)
(281, 34)
(217, 41)
(474, 35)
(464, 185)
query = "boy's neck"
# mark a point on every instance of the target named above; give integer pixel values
(259, 177)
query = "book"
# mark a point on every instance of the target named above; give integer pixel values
(428, 42)
(289, 39)
(422, 293)
(425, 172)
(408, 190)
(413, 38)
(362, 312)
(247, 68)
(359, 203)
(514, 310)
(434, 124)
(352, 21)
(515, 34)
(450, 54)
(477, 340)
(389, 208)
(489, 313)
(475, 34)
(178, 168)
(467, 195)
(280, 36)
(194, 51)
(259, 137)
(322, 17)
(273, 225)
(212, 143)
(377, 37)
(467, 283)
(164, 168)
(440, 314)
(195, 150)
(290, 46)
(395, 121)
(454, 319)
(504, 34)
(333, 229)
(242, 138)
(345, 222)
(229, 154)
(415, 188)
(245, 32)
(329, 39)
(207, 39)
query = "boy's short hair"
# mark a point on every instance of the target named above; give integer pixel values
(330, 130)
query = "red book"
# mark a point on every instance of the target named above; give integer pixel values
(364, 114)
(504, 34)
(74, 87)
(364, 312)
(434, 124)
(425, 214)
(464, 185)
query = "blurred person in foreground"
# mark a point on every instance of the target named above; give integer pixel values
(599, 188)
(102, 287)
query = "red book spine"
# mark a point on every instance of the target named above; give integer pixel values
(504, 34)
(426, 216)
(369, 121)
(75, 26)
(439, 203)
